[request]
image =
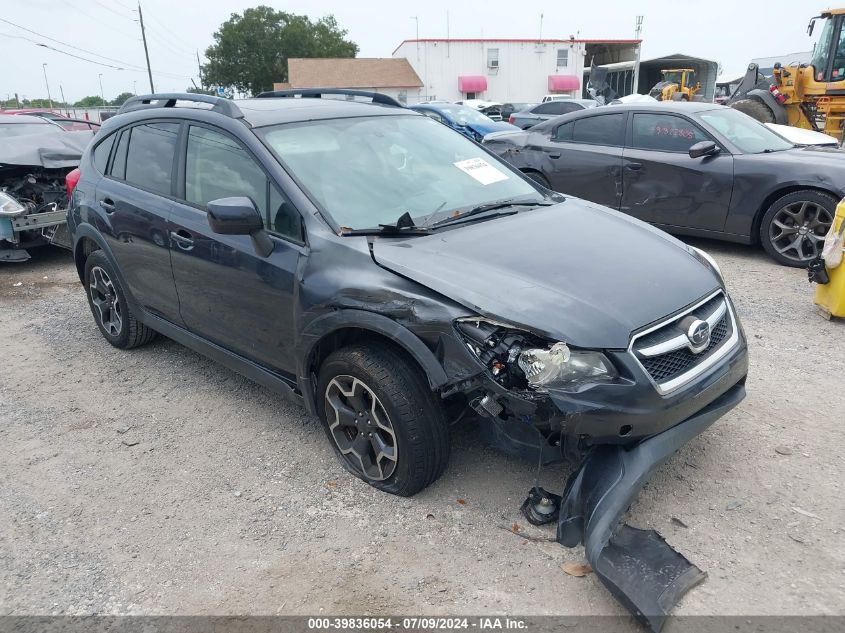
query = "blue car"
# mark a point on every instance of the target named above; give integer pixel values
(468, 121)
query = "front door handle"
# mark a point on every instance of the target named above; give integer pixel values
(554, 154)
(183, 239)
(634, 166)
(107, 205)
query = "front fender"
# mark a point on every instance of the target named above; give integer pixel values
(337, 320)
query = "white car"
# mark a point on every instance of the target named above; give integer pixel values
(803, 137)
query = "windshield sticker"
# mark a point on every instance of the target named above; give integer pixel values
(481, 170)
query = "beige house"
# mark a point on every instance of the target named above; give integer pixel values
(393, 77)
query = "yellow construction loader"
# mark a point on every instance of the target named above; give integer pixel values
(810, 96)
(678, 84)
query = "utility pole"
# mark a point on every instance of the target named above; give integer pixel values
(146, 51)
(416, 18)
(102, 95)
(62, 92)
(637, 32)
(47, 83)
(199, 70)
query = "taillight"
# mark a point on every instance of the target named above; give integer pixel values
(71, 180)
(777, 94)
(511, 119)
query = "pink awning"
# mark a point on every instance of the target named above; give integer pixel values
(563, 83)
(472, 83)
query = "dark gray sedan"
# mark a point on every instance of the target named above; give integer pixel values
(548, 110)
(691, 169)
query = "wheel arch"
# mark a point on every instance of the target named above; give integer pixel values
(343, 327)
(775, 195)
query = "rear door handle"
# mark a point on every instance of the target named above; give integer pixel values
(634, 166)
(183, 239)
(554, 154)
(107, 205)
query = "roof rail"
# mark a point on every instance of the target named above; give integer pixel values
(169, 99)
(317, 93)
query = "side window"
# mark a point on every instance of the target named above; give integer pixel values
(564, 132)
(101, 154)
(606, 129)
(665, 133)
(118, 166)
(149, 160)
(283, 218)
(217, 167)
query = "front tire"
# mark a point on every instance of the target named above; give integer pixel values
(381, 418)
(109, 307)
(793, 229)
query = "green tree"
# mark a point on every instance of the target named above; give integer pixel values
(90, 101)
(251, 51)
(120, 99)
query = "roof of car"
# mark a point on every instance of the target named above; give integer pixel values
(683, 107)
(271, 111)
(23, 118)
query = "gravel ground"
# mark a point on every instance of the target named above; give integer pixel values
(158, 482)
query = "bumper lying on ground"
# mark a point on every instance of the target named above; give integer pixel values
(637, 566)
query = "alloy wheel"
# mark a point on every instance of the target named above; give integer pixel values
(360, 427)
(106, 301)
(797, 231)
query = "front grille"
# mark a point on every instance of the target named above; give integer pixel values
(668, 366)
(665, 353)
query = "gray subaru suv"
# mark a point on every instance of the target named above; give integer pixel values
(395, 278)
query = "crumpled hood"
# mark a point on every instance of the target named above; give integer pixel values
(54, 150)
(575, 272)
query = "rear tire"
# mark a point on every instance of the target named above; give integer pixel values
(793, 229)
(755, 109)
(109, 307)
(384, 423)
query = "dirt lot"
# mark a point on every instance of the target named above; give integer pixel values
(157, 482)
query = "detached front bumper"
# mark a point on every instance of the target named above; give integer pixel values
(637, 566)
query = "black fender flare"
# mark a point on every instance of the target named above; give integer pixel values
(86, 230)
(777, 109)
(337, 320)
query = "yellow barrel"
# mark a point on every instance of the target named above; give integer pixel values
(830, 297)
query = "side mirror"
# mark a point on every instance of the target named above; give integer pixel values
(703, 148)
(238, 216)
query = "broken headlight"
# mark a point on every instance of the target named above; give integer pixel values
(519, 359)
(9, 206)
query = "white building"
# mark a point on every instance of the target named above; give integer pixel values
(507, 69)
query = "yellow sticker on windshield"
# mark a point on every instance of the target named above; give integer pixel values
(481, 170)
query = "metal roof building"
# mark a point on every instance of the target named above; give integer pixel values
(621, 75)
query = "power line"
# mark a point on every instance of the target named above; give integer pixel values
(108, 8)
(126, 65)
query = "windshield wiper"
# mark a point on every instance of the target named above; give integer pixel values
(403, 226)
(493, 206)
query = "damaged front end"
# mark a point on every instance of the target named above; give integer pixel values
(33, 210)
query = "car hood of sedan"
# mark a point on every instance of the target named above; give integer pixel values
(575, 271)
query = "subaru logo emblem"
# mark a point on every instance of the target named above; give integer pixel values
(698, 334)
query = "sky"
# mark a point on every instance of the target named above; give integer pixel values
(727, 31)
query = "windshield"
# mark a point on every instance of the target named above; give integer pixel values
(674, 77)
(822, 51)
(462, 114)
(8, 130)
(371, 170)
(750, 136)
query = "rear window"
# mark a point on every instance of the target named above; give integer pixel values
(557, 107)
(149, 161)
